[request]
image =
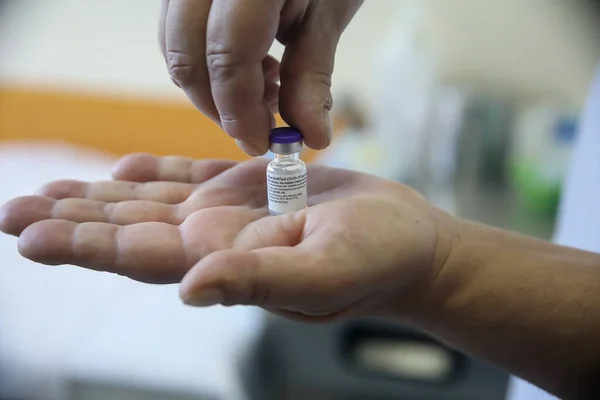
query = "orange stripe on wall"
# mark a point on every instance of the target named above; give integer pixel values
(115, 125)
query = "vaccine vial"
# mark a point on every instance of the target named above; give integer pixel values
(286, 173)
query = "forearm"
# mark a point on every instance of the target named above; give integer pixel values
(524, 304)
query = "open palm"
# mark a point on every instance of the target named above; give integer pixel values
(161, 220)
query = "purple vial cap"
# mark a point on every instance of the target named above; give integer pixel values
(285, 135)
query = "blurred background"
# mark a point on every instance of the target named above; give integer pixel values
(474, 103)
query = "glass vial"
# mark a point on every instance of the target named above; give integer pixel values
(286, 174)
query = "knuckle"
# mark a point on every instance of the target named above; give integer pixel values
(242, 289)
(182, 68)
(204, 170)
(322, 76)
(63, 189)
(222, 62)
(316, 75)
(229, 118)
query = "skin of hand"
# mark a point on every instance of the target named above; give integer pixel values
(216, 51)
(365, 246)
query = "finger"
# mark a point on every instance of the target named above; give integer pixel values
(162, 23)
(118, 191)
(274, 262)
(150, 252)
(148, 168)
(242, 176)
(272, 277)
(19, 213)
(239, 35)
(304, 318)
(275, 278)
(280, 231)
(306, 70)
(185, 49)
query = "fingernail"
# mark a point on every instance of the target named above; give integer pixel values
(204, 298)
(249, 149)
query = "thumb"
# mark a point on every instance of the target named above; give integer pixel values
(275, 277)
(307, 65)
(305, 97)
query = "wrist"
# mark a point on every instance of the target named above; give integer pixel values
(426, 295)
(451, 263)
(464, 260)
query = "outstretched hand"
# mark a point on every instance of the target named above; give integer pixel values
(364, 244)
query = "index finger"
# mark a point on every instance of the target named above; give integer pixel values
(148, 252)
(184, 48)
(239, 35)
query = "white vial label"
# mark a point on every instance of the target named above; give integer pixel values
(287, 193)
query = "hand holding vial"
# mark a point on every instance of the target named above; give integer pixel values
(366, 247)
(207, 224)
(217, 53)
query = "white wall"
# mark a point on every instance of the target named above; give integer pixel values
(536, 46)
(103, 45)
(110, 45)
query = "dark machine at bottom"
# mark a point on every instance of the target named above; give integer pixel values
(362, 360)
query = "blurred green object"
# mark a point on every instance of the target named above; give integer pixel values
(535, 196)
(538, 182)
